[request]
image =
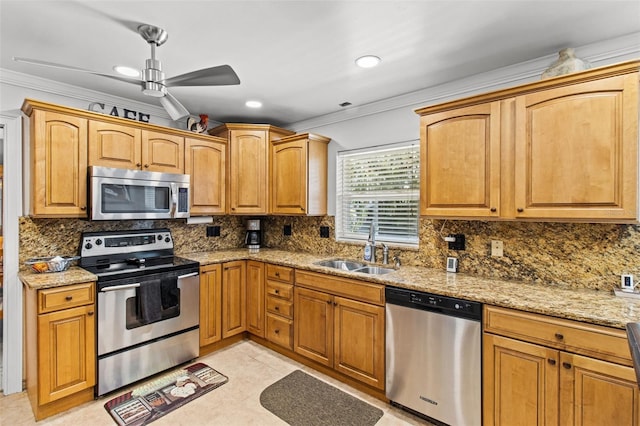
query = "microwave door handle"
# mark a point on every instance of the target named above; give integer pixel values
(174, 198)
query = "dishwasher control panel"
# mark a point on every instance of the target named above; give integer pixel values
(433, 302)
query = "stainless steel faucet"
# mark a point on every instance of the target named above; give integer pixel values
(396, 260)
(372, 240)
(385, 254)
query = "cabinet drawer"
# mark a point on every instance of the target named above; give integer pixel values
(352, 289)
(280, 307)
(284, 291)
(280, 273)
(54, 299)
(280, 331)
(596, 341)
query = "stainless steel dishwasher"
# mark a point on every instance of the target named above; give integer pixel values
(434, 356)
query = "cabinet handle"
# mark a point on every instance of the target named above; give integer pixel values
(146, 166)
(277, 308)
(302, 208)
(551, 361)
(90, 313)
(335, 303)
(559, 336)
(233, 208)
(566, 365)
(493, 209)
(520, 209)
(68, 298)
(276, 291)
(276, 331)
(83, 208)
(328, 302)
(278, 274)
(138, 164)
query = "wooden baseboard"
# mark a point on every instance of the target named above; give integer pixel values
(63, 404)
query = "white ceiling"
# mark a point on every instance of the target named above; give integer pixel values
(297, 57)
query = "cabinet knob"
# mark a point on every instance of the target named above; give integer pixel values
(68, 298)
(276, 331)
(328, 302)
(551, 361)
(90, 313)
(566, 365)
(335, 303)
(276, 291)
(302, 208)
(278, 274)
(277, 308)
(83, 208)
(493, 209)
(559, 336)
(146, 166)
(519, 209)
(138, 164)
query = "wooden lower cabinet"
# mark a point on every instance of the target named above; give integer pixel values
(255, 298)
(538, 384)
(279, 305)
(60, 347)
(341, 333)
(234, 298)
(210, 304)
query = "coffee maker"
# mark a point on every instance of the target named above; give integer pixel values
(253, 239)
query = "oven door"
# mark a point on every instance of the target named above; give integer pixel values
(115, 198)
(127, 316)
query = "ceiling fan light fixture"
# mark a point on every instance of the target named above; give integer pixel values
(153, 89)
(253, 104)
(128, 71)
(368, 61)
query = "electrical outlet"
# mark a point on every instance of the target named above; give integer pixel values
(458, 243)
(497, 248)
(626, 283)
(324, 232)
(286, 231)
(213, 231)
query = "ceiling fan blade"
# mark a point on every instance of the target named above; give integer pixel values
(174, 108)
(70, 68)
(222, 75)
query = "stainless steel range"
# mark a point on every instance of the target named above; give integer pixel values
(148, 304)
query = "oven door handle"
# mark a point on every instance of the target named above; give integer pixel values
(193, 274)
(120, 287)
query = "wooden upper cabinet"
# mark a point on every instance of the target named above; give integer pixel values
(114, 145)
(298, 175)
(563, 149)
(206, 162)
(460, 162)
(58, 164)
(162, 152)
(248, 173)
(577, 151)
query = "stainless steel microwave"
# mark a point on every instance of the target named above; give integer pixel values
(117, 194)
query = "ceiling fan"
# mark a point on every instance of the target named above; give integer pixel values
(153, 81)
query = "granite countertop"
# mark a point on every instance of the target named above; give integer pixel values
(591, 306)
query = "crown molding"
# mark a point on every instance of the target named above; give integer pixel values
(598, 54)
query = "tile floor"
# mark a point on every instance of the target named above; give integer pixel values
(250, 368)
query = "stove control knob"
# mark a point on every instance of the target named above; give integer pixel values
(167, 240)
(457, 306)
(159, 237)
(98, 242)
(88, 246)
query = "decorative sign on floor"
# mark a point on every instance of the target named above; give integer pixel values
(126, 113)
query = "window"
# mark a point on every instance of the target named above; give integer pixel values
(381, 186)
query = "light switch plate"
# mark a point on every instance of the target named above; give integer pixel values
(497, 248)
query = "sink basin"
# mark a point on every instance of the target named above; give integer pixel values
(373, 270)
(345, 265)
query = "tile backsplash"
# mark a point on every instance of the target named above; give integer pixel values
(566, 254)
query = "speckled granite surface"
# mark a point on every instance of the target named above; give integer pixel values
(73, 275)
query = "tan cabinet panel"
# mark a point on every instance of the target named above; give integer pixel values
(234, 298)
(205, 162)
(210, 304)
(162, 152)
(114, 145)
(255, 298)
(313, 328)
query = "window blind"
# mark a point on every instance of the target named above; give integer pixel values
(381, 186)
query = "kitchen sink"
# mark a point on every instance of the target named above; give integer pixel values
(350, 265)
(345, 265)
(373, 270)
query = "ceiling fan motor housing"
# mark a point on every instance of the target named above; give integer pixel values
(151, 76)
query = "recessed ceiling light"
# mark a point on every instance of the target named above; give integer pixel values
(368, 61)
(128, 71)
(253, 104)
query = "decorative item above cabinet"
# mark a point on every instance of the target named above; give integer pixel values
(562, 149)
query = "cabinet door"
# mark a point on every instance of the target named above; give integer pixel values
(248, 183)
(114, 145)
(520, 383)
(576, 151)
(313, 325)
(460, 162)
(59, 161)
(359, 341)
(289, 178)
(234, 298)
(595, 393)
(66, 352)
(255, 298)
(205, 162)
(210, 304)
(162, 152)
